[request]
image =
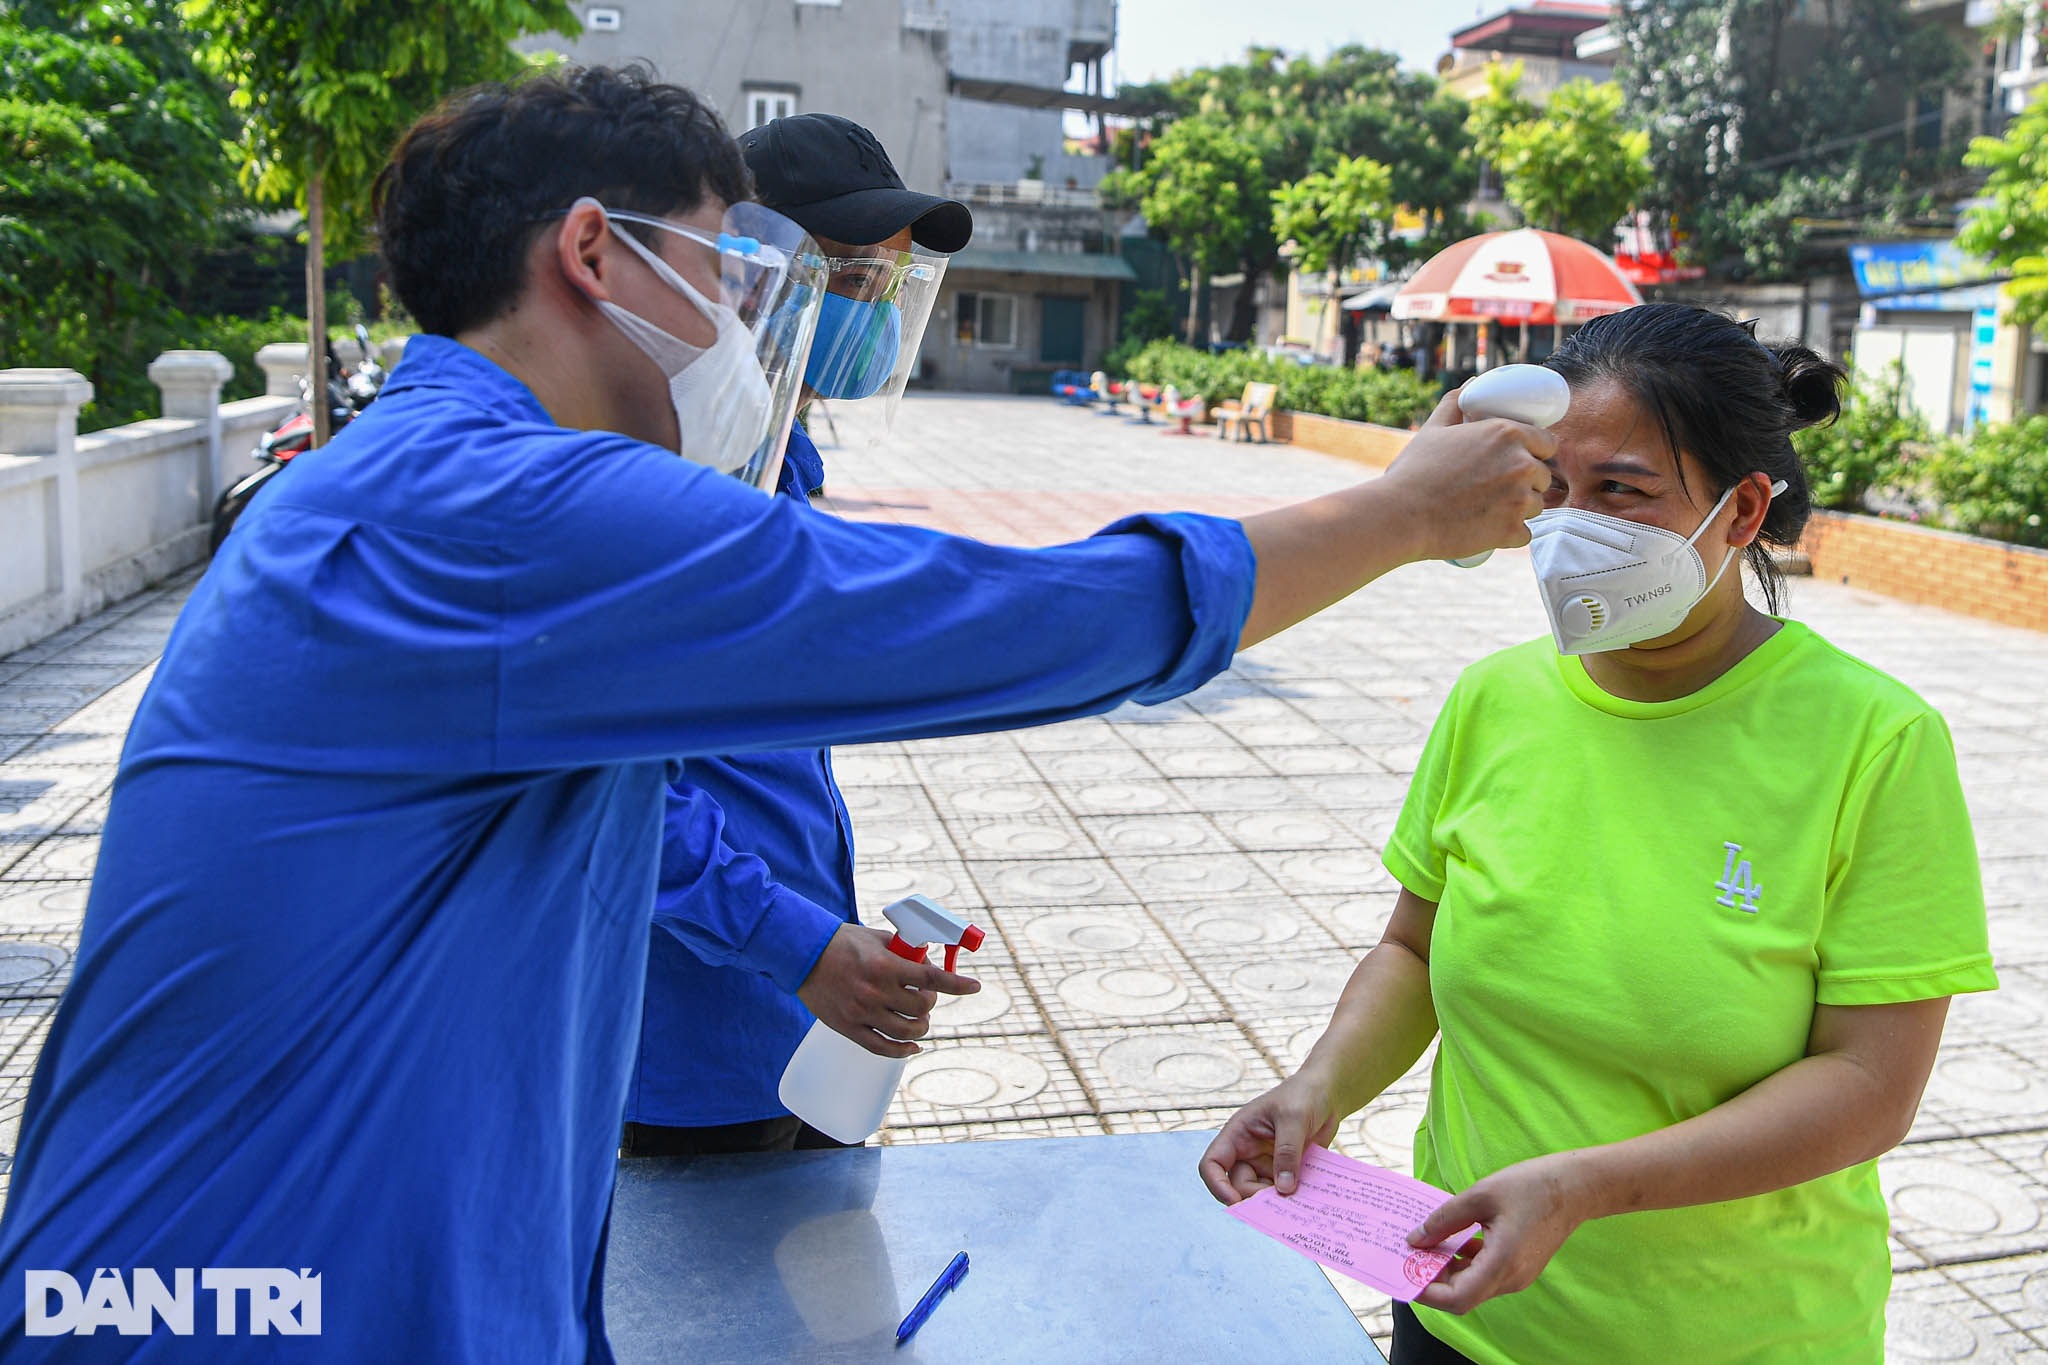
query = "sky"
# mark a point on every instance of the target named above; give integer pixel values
(1157, 37)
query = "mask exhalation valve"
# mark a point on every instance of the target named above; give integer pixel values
(1584, 614)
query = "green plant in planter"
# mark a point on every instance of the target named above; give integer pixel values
(1867, 446)
(1994, 482)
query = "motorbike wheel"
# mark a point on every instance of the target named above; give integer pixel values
(232, 503)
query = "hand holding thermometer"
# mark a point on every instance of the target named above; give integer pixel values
(1520, 393)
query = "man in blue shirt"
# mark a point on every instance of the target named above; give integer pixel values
(353, 1012)
(761, 933)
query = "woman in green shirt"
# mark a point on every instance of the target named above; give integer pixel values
(1685, 891)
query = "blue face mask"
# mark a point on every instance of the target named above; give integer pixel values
(856, 347)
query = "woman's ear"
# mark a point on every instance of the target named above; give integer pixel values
(1752, 504)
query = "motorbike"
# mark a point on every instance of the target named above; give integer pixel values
(348, 391)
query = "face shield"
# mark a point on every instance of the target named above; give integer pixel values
(870, 326)
(735, 398)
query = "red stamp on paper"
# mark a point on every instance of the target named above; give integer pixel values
(1423, 1266)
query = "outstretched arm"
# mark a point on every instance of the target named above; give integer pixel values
(1457, 489)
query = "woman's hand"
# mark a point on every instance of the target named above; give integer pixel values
(1524, 1212)
(1262, 1143)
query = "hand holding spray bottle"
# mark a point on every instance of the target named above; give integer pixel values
(836, 1085)
(1521, 393)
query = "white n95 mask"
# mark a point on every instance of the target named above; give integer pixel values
(1608, 583)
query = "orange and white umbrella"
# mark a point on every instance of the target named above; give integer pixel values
(1525, 276)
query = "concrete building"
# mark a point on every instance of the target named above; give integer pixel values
(756, 60)
(969, 97)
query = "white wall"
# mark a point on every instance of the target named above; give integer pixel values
(88, 520)
(1933, 357)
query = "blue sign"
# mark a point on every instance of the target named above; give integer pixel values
(1983, 335)
(1923, 277)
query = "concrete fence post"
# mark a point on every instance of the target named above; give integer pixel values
(190, 382)
(39, 418)
(284, 364)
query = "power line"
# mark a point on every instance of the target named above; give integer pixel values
(1836, 143)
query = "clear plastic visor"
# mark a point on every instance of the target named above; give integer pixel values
(870, 332)
(772, 276)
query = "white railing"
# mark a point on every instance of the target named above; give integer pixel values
(1015, 193)
(87, 520)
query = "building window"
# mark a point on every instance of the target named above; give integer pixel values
(985, 320)
(602, 19)
(763, 105)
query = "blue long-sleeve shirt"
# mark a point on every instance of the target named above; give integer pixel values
(756, 877)
(359, 974)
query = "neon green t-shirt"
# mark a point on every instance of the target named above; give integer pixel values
(1639, 904)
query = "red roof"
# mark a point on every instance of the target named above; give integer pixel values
(1539, 23)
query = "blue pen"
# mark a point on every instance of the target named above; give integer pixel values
(955, 1271)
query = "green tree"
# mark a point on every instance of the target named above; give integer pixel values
(1333, 216)
(1499, 109)
(2010, 225)
(1204, 188)
(1574, 167)
(1768, 117)
(113, 181)
(1302, 115)
(326, 87)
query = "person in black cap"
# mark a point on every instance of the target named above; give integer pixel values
(758, 848)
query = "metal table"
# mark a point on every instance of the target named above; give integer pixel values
(1081, 1249)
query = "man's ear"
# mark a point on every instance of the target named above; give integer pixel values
(580, 249)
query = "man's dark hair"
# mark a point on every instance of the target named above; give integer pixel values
(471, 183)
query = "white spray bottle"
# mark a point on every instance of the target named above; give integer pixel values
(1533, 394)
(836, 1085)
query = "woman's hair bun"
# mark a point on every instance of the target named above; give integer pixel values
(1813, 383)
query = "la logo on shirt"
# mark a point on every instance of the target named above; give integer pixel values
(1739, 889)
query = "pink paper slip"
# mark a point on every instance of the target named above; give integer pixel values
(1355, 1219)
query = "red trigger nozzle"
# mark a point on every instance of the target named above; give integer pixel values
(970, 939)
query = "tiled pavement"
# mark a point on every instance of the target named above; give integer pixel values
(1175, 894)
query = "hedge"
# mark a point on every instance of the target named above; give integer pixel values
(1393, 398)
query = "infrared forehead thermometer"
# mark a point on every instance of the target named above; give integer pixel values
(1520, 393)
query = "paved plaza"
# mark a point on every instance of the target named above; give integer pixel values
(1176, 894)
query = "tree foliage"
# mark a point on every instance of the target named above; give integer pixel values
(1302, 116)
(113, 178)
(2011, 224)
(1331, 216)
(1499, 109)
(1204, 191)
(1769, 116)
(326, 86)
(1573, 166)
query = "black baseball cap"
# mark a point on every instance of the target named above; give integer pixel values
(832, 177)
